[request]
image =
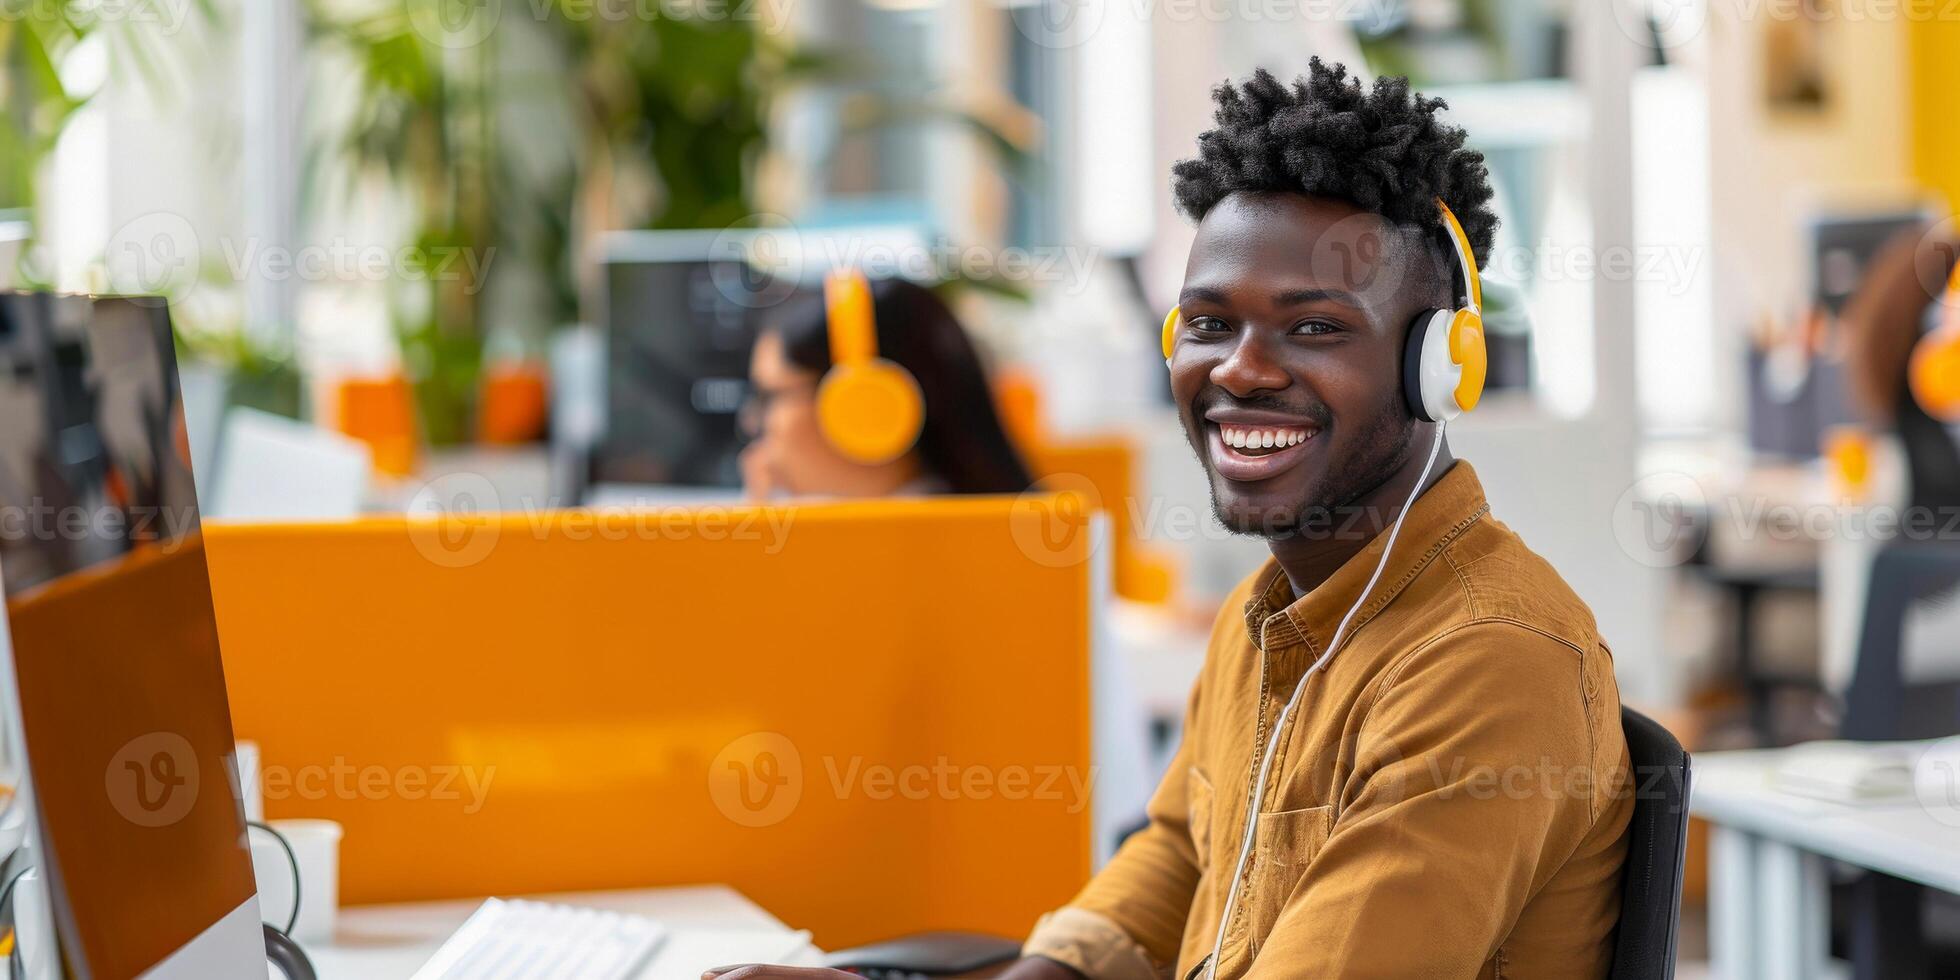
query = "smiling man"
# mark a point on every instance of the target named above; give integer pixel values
(1418, 709)
(1448, 797)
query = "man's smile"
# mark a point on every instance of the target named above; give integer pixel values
(1248, 446)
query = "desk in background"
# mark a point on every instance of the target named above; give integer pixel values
(390, 942)
(1769, 897)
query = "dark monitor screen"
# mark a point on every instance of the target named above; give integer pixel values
(118, 692)
(1843, 246)
(678, 333)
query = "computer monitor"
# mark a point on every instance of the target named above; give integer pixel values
(681, 309)
(1843, 244)
(682, 312)
(135, 860)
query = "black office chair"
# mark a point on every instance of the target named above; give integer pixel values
(1882, 918)
(1880, 705)
(1657, 844)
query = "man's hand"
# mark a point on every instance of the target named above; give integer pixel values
(1032, 968)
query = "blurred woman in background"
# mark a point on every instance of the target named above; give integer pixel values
(962, 448)
(1883, 322)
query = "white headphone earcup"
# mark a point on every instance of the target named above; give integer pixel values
(1429, 375)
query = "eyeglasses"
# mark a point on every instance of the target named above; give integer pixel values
(755, 407)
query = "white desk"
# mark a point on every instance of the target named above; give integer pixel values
(1769, 899)
(710, 923)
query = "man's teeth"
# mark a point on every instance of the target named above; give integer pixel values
(1245, 437)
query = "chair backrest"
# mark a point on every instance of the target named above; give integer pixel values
(1881, 704)
(1650, 905)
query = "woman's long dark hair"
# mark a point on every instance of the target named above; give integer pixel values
(963, 444)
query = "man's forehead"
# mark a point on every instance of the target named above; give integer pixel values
(1296, 236)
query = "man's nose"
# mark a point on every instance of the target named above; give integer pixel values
(1250, 366)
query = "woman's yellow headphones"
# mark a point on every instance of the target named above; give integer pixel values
(1444, 363)
(870, 409)
(1935, 367)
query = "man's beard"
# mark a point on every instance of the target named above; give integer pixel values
(1329, 508)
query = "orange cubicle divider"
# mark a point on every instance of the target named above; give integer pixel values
(870, 718)
(1103, 470)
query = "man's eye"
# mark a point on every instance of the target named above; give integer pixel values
(1209, 324)
(1316, 327)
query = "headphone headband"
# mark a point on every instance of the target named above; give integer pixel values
(1466, 259)
(847, 307)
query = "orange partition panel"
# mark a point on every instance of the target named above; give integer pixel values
(1104, 471)
(870, 718)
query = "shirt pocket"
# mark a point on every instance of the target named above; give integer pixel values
(1199, 800)
(1285, 845)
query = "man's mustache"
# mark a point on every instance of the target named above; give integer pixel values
(1315, 412)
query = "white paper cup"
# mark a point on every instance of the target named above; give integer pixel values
(316, 847)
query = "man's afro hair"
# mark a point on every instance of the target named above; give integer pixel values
(1382, 150)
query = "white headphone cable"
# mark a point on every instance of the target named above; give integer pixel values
(1279, 727)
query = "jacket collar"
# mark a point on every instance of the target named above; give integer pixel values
(1275, 620)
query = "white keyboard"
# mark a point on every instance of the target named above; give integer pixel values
(516, 940)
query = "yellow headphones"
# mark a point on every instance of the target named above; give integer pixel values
(869, 408)
(1934, 373)
(1444, 363)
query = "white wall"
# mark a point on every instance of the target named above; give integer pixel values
(1770, 170)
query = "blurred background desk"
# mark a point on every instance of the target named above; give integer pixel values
(1769, 892)
(712, 925)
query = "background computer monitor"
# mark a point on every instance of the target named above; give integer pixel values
(681, 311)
(110, 679)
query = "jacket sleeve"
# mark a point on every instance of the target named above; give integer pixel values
(1452, 820)
(1128, 921)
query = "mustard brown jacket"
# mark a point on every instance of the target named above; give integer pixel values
(1451, 799)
